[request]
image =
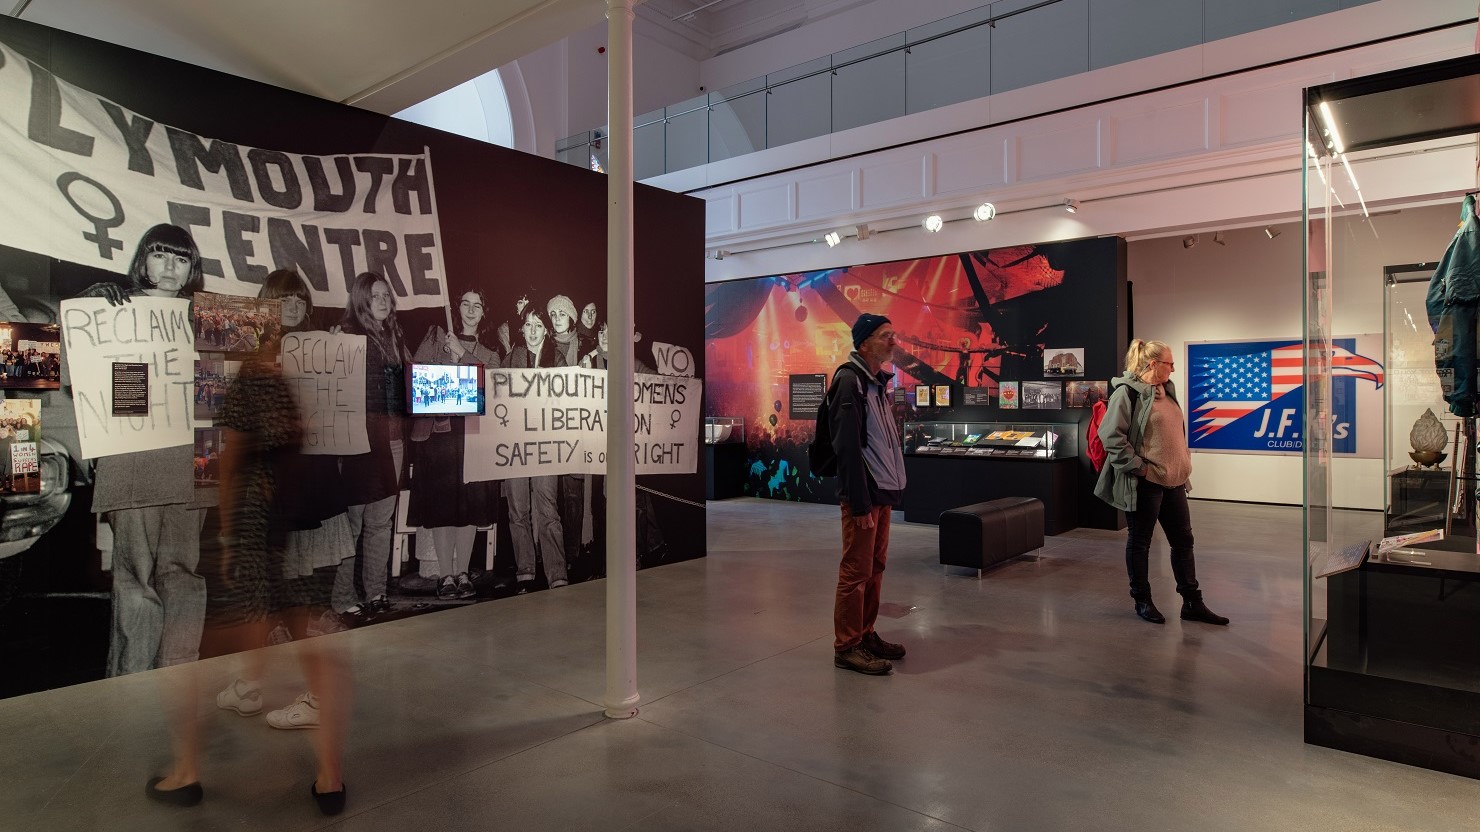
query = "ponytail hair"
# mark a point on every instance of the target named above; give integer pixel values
(1139, 357)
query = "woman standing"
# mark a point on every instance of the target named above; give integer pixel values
(372, 481)
(149, 497)
(1147, 474)
(533, 511)
(440, 501)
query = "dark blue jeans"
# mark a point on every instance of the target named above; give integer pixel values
(1157, 503)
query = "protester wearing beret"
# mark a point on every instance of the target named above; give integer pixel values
(871, 482)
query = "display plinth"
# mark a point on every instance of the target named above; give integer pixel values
(940, 483)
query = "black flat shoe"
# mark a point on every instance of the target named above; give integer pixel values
(1198, 611)
(1148, 611)
(184, 797)
(330, 803)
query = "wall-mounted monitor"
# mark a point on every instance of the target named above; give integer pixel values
(444, 389)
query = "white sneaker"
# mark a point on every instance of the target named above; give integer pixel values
(241, 696)
(326, 623)
(279, 635)
(303, 713)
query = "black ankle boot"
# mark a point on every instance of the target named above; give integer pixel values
(1198, 611)
(1148, 611)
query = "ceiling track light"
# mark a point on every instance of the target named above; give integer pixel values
(1189, 242)
(832, 238)
(984, 212)
(864, 232)
(1071, 205)
(1271, 232)
(933, 223)
(1218, 238)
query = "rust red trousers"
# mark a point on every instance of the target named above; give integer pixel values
(860, 576)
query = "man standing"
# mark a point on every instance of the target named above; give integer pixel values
(870, 483)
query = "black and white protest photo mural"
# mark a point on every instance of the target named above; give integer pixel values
(284, 386)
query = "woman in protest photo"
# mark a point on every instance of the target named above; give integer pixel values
(149, 498)
(372, 481)
(311, 508)
(574, 489)
(441, 503)
(533, 510)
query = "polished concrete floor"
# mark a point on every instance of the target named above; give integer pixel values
(1032, 699)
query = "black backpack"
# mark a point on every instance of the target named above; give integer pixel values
(820, 454)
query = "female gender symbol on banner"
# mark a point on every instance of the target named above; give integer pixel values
(106, 244)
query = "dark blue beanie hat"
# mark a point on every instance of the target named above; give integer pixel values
(865, 326)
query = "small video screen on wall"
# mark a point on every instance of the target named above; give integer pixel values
(30, 356)
(445, 389)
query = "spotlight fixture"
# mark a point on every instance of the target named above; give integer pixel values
(1271, 233)
(1189, 242)
(864, 232)
(933, 223)
(1071, 205)
(832, 238)
(1218, 238)
(984, 212)
(720, 254)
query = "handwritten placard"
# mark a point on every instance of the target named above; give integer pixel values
(326, 373)
(541, 422)
(146, 330)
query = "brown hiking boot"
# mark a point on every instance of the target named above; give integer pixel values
(862, 661)
(881, 648)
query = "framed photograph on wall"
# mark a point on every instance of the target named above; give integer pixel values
(942, 395)
(922, 395)
(1085, 393)
(30, 356)
(1063, 361)
(1007, 395)
(1043, 395)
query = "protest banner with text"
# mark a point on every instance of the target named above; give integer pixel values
(326, 372)
(85, 178)
(541, 422)
(151, 331)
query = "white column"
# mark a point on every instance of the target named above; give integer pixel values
(621, 481)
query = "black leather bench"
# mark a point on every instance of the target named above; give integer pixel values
(984, 534)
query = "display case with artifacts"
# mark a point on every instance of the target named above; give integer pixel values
(721, 430)
(990, 439)
(1392, 666)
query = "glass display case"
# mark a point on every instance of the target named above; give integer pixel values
(724, 430)
(991, 439)
(1392, 667)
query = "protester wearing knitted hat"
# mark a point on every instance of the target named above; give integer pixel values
(563, 323)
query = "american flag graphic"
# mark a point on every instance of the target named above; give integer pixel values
(1228, 387)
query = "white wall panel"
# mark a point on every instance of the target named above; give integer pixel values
(1055, 153)
(970, 167)
(720, 215)
(1160, 132)
(893, 182)
(765, 207)
(827, 196)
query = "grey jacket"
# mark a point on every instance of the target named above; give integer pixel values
(1121, 432)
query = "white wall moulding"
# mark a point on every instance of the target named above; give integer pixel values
(894, 182)
(1054, 154)
(1231, 130)
(1161, 133)
(819, 197)
(962, 167)
(769, 206)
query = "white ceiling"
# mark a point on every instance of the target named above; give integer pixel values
(707, 28)
(382, 55)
